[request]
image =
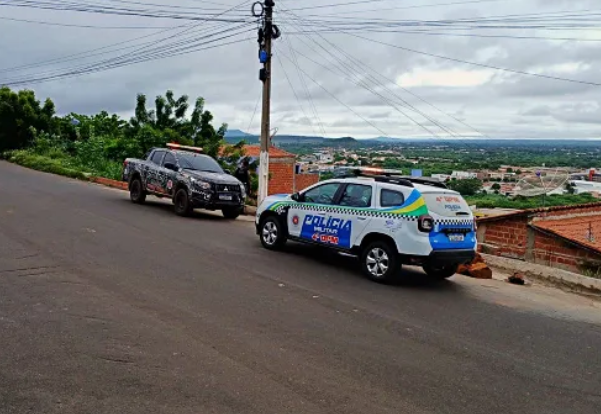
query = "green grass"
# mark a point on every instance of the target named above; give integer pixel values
(45, 164)
(500, 201)
(57, 162)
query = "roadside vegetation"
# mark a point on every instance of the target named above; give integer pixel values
(76, 145)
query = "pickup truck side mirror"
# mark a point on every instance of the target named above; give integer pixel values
(227, 171)
(171, 166)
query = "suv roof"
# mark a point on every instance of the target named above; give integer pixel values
(398, 179)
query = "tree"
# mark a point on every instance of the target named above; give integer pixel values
(21, 115)
(169, 122)
(466, 187)
(496, 186)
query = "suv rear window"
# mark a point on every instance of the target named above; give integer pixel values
(447, 205)
(391, 198)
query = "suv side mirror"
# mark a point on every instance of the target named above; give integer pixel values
(171, 166)
(297, 197)
(227, 171)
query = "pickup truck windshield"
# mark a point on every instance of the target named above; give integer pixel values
(199, 163)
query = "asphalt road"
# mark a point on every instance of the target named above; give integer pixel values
(110, 307)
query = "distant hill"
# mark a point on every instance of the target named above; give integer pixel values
(234, 136)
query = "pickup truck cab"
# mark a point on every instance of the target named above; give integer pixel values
(188, 177)
(386, 220)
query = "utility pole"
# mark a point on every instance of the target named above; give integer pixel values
(267, 32)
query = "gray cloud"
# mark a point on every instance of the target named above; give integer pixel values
(506, 105)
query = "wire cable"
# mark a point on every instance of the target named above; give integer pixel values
(362, 83)
(83, 26)
(483, 65)
(306, 88)
(338, 100)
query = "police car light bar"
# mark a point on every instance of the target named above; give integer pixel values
(175, 146)
(376, 171)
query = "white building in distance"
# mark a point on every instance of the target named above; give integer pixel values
(463, 175)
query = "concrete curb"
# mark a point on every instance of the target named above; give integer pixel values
(120, 185)
(109, 183)
(549, 275)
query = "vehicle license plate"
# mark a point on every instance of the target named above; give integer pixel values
(456, 237)
(225, 197)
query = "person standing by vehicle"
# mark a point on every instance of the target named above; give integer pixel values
(243, 174)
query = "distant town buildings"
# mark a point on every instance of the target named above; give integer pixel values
(463, 175)
(507, 180)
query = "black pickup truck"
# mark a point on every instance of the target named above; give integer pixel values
(188, 177)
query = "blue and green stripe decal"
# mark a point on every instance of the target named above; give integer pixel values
(413, 206)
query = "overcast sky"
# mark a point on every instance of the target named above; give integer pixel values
(468, 98)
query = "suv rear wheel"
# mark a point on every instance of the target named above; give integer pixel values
(380, 261)
(136, 191)
(440, 272)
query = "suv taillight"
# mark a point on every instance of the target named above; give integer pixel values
(425, 224)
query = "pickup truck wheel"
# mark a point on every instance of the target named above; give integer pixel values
(136, 191)
(231, 213)
(380, 262)
(271, 233)
(440, 272)
(182, 204)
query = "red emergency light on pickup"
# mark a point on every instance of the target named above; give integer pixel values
(175, 146)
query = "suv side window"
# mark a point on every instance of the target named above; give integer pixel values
(169, 158)
(157, 156)
(356, 195)
(323, 194)
(391, 198)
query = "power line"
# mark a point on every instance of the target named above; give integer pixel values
(294, 92)
(304, 85)
(104, 67)
(369, 69)
(183, 46)
(366, 69)
(252, 118)
(82, 25)
(338, 100)
(483, 65)
(120, 12)
(395, 8)
(106, 49)
(474, 35)
(363, 84)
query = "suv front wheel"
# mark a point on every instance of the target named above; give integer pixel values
(181, 203)
(271, 233)
(380, 262)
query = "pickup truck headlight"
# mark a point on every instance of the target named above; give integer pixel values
(200, 185)
(243, 190)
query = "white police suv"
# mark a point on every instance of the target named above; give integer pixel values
(387, 220)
